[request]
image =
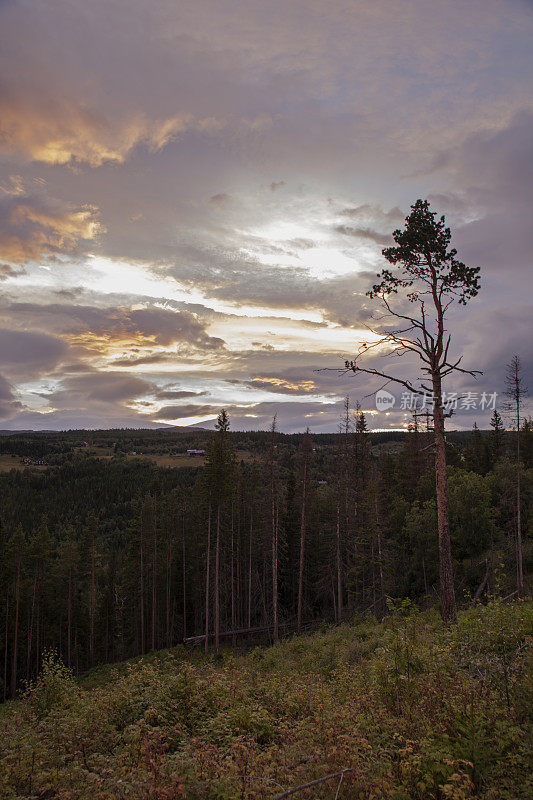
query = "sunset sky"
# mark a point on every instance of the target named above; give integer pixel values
(194, 196)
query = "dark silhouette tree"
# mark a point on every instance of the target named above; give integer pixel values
(425, 274)
(497, 436)
(219, 471)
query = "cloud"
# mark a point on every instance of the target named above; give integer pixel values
(364, 233)
(293, 417)
(60, 131)
(494, 171)
(274, 383)
(8, 404)
(138, 361)
(102, 387)
(167, 394)
(7, 271)
(92, 326)
(219, 199)
(182, 412)
(25, 353)
(31, 228)
(171, 130)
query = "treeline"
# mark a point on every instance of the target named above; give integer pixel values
(105, 559)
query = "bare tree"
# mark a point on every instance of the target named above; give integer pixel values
(515, 391)
(207, 579)
(305, 451)
(426, 275)
(18, 543)
(274, 528)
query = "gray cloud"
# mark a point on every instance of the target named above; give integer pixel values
(180, 412)
(365, 233)
(28, 353)
(7, 271)
(8, 404)
(219, 199)
(154, 325)
(103, 387)
(176, 394)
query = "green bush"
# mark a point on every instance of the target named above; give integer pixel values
(415, 710)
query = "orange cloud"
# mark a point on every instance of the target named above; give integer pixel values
(30, 229)
(281, 383)
(62, 132)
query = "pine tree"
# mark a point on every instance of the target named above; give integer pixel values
(306, 450)
(427, 275)
(497, 437)
(219, 476)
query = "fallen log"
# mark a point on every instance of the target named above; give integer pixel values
(248, 631)
(288, 792)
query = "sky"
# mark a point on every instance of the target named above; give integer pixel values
(194, 197)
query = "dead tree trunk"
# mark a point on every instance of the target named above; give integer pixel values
(338, 563)
(154, 578)
(207, 580)
(183, 576)
(303, 531)
(217, 583)
(16, 630)
(250, 541)
(274, 528)
(91, 638)
(141, 578)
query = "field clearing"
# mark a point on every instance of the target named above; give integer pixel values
(183, 460)
(9, 462)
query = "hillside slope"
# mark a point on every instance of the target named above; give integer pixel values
(413, 710)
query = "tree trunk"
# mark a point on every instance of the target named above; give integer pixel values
(183, 574)
(207, 582)
(274, 530)
(234, 638)
(69, 615)
(338, 609)
(217, 583)
(302, 546)
(249, 616)
(91, 637)
(6, 641)
(154, 579)
(141, 576)
(274, 571)
(519, 561)
(383, 604)
(168, 583)
(447, 592)
(16, 632)
(30, 626)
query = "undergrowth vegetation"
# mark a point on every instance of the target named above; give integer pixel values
(413, 710)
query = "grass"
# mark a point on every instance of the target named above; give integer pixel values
(414, 711)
